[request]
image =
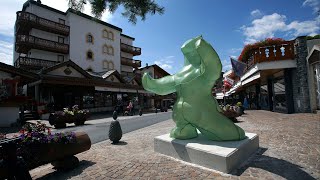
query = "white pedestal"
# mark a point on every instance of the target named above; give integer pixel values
(221, 156)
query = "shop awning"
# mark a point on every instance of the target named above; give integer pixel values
(251, 78)
(100, 88)
(219, 96)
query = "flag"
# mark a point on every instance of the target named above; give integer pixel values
(238, 67)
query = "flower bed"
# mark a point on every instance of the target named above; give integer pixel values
(244, 56)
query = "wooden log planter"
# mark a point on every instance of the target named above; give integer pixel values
(60, 155)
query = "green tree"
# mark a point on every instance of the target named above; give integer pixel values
(133, 8)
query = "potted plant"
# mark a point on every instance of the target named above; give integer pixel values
(240, 108)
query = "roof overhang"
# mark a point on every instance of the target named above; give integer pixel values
(314, 55)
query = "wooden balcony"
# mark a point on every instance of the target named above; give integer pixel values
(26, 21)
(271, 53)
(33, 63)
(130, 49)
(130, 62)
(26, 42)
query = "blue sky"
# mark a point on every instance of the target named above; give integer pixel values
(228, 25)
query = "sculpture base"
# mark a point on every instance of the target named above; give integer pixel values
(221, 156)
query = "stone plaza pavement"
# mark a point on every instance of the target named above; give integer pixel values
(289, 149)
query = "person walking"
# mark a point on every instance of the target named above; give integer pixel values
(130, 107)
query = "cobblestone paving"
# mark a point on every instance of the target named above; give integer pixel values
(289, 149)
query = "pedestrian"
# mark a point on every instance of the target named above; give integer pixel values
(245, 103)
(130, 107)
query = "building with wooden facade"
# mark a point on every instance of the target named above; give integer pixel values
(282, 77)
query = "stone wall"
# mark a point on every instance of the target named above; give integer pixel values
(301, 96)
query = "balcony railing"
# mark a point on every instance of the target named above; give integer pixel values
(26, 42)
(33, 63)
(130, 49)
(130, 62)
(26, 21)
(271, 53)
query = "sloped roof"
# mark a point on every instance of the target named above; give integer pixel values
(106, 74)
(67, 63)
(17, 71)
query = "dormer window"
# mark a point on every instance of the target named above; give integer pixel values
(90, 38)
(89, 55)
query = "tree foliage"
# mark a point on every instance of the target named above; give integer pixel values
(132, 8)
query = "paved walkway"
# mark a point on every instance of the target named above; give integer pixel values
(289, 149)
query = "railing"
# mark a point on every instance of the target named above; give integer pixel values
(28, 41)
(33, 62)
(130, 49)
(42, 23)
(271, 53)
(130, 62)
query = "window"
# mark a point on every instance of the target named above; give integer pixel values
(60, 39)
(111, 65)
(105, 48)
(62, 21)
(90, 55)
(105, 33)
(105, 64)
(108, 34)
(60, 58)
(108, 49)
(89, 38)
(88, 101)
(108, 65)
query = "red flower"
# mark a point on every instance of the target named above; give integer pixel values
(249, 47)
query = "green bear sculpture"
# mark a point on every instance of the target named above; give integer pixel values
(195, 107)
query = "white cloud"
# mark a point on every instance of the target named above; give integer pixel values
(9, 8)
(6, 52)
(305, 27)
(234, 50)
(268, 25)
(165, 63)
(315, 4)
(256, 13)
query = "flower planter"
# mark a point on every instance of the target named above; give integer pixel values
(52, 152)
(59, 121)
(232, 115)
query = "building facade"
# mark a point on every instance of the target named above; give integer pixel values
(79, 59)
(153, 100)
(278, 77)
